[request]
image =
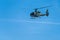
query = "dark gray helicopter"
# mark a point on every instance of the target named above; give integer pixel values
(37, 13)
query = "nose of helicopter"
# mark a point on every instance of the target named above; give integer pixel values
(32, 14)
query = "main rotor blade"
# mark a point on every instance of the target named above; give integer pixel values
(42, 7)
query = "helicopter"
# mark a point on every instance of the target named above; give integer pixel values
(38, 13)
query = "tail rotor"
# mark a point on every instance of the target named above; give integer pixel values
(47, 13)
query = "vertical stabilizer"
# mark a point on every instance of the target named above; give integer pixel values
(47, 13)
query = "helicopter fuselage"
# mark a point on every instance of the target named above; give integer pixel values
(36, 14)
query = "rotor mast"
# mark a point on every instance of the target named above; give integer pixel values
(36, 10)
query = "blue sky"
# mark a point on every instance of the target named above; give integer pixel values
(15, 22)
